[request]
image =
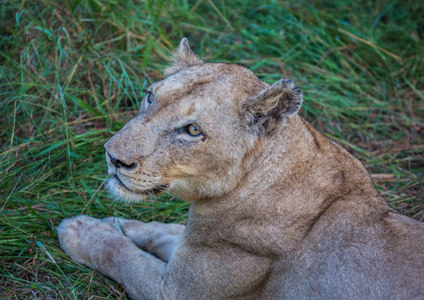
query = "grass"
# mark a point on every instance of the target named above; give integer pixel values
(72, 73)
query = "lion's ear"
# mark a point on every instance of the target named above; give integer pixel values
(182, 58)
(272, 105)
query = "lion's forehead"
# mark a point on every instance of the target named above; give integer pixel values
(213, 82)
(184, 82)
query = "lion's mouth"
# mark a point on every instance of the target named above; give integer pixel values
(154, 191)
(121, 183)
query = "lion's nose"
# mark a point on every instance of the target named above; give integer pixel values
(120, 164)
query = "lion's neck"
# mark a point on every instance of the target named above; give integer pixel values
(299, 162)
(276, 161)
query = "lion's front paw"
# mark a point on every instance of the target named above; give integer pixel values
(117, 222)
(77, 236)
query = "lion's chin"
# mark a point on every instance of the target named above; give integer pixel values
(120, 193)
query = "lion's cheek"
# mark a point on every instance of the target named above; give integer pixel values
(181, 171)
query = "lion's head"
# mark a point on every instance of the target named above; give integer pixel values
(197, 130)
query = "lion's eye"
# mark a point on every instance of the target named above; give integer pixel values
(150, 98)
(193, 130)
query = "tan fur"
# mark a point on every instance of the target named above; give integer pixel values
(278, 210)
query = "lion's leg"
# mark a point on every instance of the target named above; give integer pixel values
(101, 246)
(154, 237)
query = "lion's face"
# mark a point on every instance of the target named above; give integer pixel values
(191, 137)
(187, 137)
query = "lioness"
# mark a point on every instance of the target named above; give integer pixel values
(278, 210)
